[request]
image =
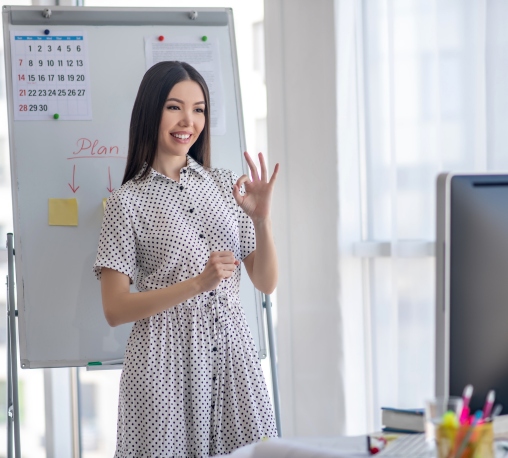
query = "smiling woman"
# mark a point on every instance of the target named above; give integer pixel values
(192, 383)
(183, 120)
(169, 102)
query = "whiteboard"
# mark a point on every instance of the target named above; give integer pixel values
(61, 321)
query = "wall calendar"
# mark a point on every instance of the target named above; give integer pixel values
(50, 74)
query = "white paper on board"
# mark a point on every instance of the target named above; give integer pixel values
(50, 76)
(204, 57)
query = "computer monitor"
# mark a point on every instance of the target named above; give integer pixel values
(472, 286)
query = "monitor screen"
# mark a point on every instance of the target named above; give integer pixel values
(476, 293)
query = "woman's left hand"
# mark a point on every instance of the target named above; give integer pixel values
(258, 192)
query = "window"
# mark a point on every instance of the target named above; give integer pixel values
(417, 98)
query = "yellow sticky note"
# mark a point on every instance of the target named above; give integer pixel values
(63, 212)
(104, 204)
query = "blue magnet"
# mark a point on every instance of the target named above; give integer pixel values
(46, 32)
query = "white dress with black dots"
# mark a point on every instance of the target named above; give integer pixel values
(192, 384)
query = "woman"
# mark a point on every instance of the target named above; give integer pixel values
(192, 383)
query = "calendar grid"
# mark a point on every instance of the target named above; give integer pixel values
(51, 76)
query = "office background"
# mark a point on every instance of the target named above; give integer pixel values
(362, 103)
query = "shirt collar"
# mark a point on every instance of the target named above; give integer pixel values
(152, 174)
(196, 166)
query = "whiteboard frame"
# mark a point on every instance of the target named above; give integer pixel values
(32, 16)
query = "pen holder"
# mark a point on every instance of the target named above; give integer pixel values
(465, 441)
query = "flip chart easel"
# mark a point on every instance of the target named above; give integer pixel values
(69, 115)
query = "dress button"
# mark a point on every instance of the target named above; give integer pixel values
(184, 171)
(191, 210)
(216, 319)
(181, 188)
(212, 293)
(214, 378)
(201, 236)
(214, 349)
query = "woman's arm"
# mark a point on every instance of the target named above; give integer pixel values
(121, 306)
(261, 264)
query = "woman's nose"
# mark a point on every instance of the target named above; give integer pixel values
(186, 119)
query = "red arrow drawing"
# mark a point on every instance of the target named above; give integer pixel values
(110, 189)
(72, 186)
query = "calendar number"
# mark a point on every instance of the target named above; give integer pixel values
(38, 108)
(23, 108)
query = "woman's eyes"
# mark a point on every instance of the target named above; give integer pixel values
(176, 107)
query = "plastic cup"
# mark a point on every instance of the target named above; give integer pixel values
(435, 408)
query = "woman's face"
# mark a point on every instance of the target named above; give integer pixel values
(183, 119)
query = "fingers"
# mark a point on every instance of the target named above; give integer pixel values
(236, 188)
(263, 167)
(223, 256)
(252, 166)
(223, 263)
(274, 174)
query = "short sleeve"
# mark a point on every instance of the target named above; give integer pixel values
(117, 244)
(245, 225)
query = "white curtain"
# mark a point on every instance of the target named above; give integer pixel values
(422, 88)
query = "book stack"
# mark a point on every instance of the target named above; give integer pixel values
(402, 420)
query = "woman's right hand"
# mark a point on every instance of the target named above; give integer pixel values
(220, 265)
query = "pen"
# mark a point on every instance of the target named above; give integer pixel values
(489, 402)
(469, 433)
(466, 397)
(495, 412)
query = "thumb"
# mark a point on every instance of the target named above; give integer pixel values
(236, 194)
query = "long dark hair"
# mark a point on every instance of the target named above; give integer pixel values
(147, 113)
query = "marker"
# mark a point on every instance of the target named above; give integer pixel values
(489, 402)
(46, 32)
(204, 38)
(56, 116)
(466, 397)
(106, 363)
(112, 361)
(161, 38)
(495, 412)
(463, 445)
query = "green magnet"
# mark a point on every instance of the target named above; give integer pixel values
(204, 38)
(56, 116)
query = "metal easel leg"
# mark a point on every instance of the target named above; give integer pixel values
(267, 303)
(13, 439)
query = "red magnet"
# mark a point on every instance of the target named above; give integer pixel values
(161, 38)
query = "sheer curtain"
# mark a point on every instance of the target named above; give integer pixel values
(422, 89)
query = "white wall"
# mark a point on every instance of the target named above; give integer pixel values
(302, 121)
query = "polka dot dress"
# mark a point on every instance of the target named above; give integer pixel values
(192, 384)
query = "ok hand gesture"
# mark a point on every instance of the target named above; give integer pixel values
(258, 193)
